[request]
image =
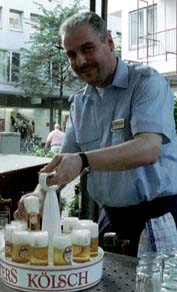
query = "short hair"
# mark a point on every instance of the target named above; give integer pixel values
(57, 126)
(84, 18)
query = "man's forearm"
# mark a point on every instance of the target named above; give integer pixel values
(144, 149)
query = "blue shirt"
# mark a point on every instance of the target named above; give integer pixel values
(139, 100)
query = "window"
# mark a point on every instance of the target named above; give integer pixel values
(15, 20)
(33, 23)
(138, 25)
(14, 66)
(9, 66)
(3, 65)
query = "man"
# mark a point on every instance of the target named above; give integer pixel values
(121, 127)
(55, 139)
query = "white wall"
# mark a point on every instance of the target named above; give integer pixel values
(126, 54)
(166, 14)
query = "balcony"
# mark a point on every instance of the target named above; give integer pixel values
(157, 44)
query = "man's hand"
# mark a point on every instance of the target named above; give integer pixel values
(21, 213)
(67, 167)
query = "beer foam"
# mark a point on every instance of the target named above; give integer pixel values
(20, 224)
(69, 223)
(85, 220)
(81, 237)
(20, 237)
(39, 238)
(89, 225)
(14, 222)
(70, 219)
(94, 230)
(9, 228)
(61, 241)
(31, 204)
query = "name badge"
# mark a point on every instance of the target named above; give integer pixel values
(118, 124)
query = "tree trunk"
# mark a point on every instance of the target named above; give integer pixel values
(51, 114)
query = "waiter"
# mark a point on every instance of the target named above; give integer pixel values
(121, 129)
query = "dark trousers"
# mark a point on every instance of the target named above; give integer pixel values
(129, 222)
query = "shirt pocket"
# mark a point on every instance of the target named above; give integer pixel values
(120, 136)
(87, 140)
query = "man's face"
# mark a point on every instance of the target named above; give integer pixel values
(90, 57)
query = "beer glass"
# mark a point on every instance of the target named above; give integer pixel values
(81, 245)
(20, 247)
(9, 228)
(94, 239)
(148, 274)
(93, 228)
(62, 250)
(69, 223)
(31, 204)
(39, 248)
(3, 221)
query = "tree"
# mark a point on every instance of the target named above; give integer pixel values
(118, 45)
(74, 205)
(44, 70)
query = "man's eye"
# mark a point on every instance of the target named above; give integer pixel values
(70, 55)
(88, 48)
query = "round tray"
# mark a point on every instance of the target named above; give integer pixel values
(75, 277)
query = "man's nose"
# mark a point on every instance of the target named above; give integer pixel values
(81, 59)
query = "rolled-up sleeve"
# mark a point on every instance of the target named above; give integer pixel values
(152, 107)
(69, 144)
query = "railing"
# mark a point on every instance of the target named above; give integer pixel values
(156, 44)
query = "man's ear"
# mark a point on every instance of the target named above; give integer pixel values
(110, 41)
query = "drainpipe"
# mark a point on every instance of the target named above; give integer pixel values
(104, 10)
(92, 5)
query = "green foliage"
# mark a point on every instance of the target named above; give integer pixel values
(118, 50)
(63, 204)
(74, 205)
(43, 65)
(42, 153)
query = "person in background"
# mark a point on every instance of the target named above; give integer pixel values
(55, 140)
(121, 130)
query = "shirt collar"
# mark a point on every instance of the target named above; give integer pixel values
(121, 75)
(120, 79)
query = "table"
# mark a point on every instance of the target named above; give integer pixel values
(11, 162)
(119, 273)
(19, 175)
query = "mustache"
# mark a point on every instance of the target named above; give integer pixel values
(85, 67)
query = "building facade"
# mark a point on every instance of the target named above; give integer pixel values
(149, 35)
(16, 28)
